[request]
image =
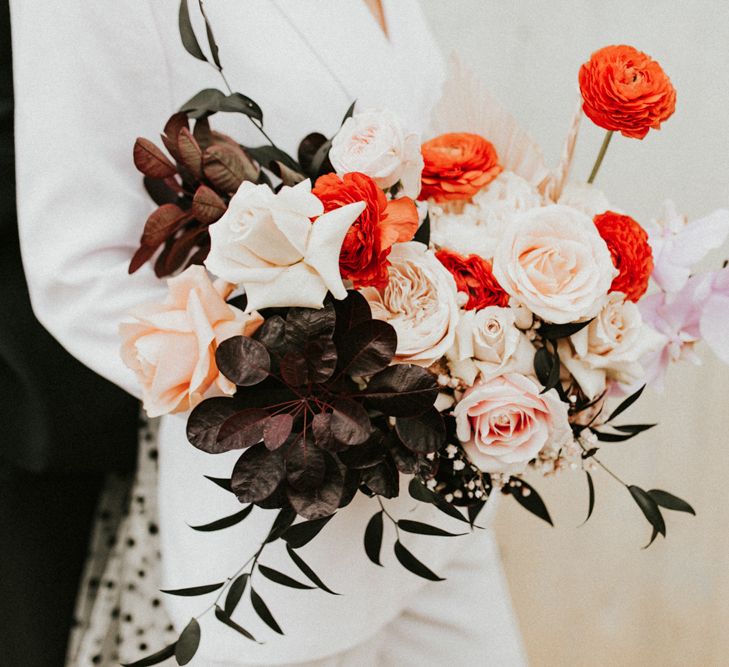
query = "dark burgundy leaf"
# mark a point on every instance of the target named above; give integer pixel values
(205, 421)
(177, 250)
(409, 562)
(351, 486)
(151, 161)
(322, 501)
(272, 333)
(287, 175)
(300, 534)
(314, 364)
(141, 257)
(242, 429)
(202, 133)
(163, 223)
(227, 167)
(405, 460)
(161, 190)
(402, 390)
(367, 348)
(256, 474)
(172, 130)
(276, 500)
(308, 147)
(373, 538)
(350, 423)
(277, 430)
(364, 456)
(321, 427)
(424, 433)
(305, 464)
(189, 152)
(307, 324)
(382, 479)
(207, 206)
(243, 360)
(350, 312)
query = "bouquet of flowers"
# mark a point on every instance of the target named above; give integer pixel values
(394, 316)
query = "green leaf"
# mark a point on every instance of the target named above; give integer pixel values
(531, 501)
(281, 578)
(224, 618)
(301, 564)
(300, 534)
(373, 538)
(235, 593)
(423, 233)
(222, 482)
(263, 612)
(474, 510)
(670, 502)
(211, 39)
(634, 428)
(424, 529)
(187, 644)
(649, 507)
(409, 562)
(546, 367)
(204, 103)
(626, 404)
(154, 659)
(225, 522)
(612, 437)
(556, 331)
(420, 492)
(591, 496)
(195, 590)
(187, 34)
(350, 112)
(285, 517)
(654, 534)
(240, 103)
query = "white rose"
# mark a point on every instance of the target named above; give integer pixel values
(477, 227)
(584, 197)
(267, 243)
(419, 301)
(374, 143)
(488, 342)
(553, 260)
(610, 347)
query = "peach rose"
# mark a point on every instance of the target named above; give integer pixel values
(171, 346)
(625, 90)
(553, 261)
(420, 301)
(457, 165)
(504, 422)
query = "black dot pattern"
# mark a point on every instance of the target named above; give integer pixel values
(119, 613)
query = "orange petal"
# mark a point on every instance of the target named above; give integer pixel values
(400, 222)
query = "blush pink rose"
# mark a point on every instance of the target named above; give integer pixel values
(171, 346)
(505, 422)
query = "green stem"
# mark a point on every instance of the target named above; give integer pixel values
(600, 155)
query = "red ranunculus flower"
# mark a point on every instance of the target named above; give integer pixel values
(631, 253)
(474, 277)
(625, 90)
(457, 165)
(363, 258)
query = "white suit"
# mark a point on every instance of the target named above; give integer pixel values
(92, 76)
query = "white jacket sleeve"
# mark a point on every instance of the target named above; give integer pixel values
(89, 79)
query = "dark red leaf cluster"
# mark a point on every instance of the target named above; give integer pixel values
(319, 411)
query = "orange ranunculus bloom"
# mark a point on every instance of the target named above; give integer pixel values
(625, 90)
(363, 258)
(474, 277)
(631, 253)
(457, 166)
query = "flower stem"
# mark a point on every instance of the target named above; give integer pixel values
(600, 155)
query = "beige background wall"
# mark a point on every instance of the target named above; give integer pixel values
(589, 595)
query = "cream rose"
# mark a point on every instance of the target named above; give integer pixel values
(477, 227)
(584, 197)
(488, 343)
(610, 347)
(267, 243)
(505, 421)
(374, 143)
(171, 346)
(419, 301)
(553, 260)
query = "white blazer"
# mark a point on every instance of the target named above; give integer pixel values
(92, 76)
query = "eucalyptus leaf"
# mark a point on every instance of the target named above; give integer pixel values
(649, 507)
(671, 502)
(626, 404)
(194, 590)
(225, 522)
(235, 593)
(224, 618)
(263, 612)
(281, 578)
(300, 534)
(424, 529)
(154, 659)
(312, 576)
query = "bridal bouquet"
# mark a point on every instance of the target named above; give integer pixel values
(386, 315)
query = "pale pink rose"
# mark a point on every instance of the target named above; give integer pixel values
(420, 301)
(553, 260)
(610, 347)
(586, 198)
(504, 422)
(374, 143)
(171, 346)
(267, 243)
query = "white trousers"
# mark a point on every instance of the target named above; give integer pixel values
(465, 620)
